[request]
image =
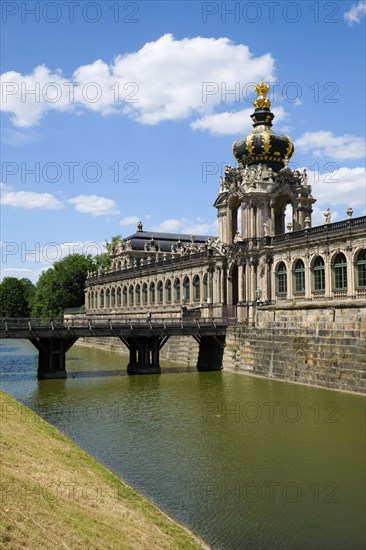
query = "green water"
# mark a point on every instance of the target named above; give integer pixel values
(246, 463)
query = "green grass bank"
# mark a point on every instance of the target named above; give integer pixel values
(54, 495)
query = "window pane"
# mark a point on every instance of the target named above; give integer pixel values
(168, 292)
(282, 279)
(361, 268)
(340, 272)
(187, 290)
(160, 293)
(299, 276)
(319, 274)
(196, 286)
(177, 291)
(152, 295)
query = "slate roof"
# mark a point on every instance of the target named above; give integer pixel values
(164, 240)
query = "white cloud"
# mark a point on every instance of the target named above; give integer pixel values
(48, 252)
(53, 252)
(318, 216)
(28, 108)
(324, 143)
(28, 200)
(186, 226)
(129, 220)
(342, 187)
(20, 273)
(355, 14)
(231, 123)
(15, 272)
(40, 257)
(85, 204)
(164, 80)
(18, 138)
(94, 205)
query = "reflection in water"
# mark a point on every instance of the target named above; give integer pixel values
(244, 462)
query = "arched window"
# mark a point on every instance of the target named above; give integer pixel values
(113, 297)
(361, 268)
(319, 274)
(186, 289)
(144, 294)
(299, 276)
(107, 298)
(92, 300)
(160, 292)
(340, 272)
(119, 296)
(282, 209)
(152, 293)
(168, 291)
(205, 287)
(131, 295)
(138, 295)
(125, 296)
(196, 288)
(177, 290)
(282, 278)
(101, 298)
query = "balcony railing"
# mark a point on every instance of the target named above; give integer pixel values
(147, 268)
(320, 229)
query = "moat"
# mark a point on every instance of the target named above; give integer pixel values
(244, 462)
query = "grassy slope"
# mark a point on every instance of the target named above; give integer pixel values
(54, 495)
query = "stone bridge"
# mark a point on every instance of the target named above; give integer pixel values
(144, 339)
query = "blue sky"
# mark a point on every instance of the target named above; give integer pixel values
(135, 107)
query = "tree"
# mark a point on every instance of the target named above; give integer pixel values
(104, 260)
(62, 286)
(15, 297)
(112, 244)
(29, 291)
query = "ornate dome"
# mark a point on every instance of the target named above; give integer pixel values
(262, 146)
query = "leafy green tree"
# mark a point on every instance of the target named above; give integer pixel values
(112, 243)
(29, 291)
(15, 297)
(103, 260)
(62, 286)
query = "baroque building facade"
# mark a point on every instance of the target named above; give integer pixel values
(256, 260)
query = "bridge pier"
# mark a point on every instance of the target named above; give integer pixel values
(52, 356)
(144, 354)
(211, 352)
(144, 339)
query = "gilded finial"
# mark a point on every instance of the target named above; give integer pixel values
(262, 101)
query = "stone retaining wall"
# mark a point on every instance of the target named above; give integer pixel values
(320, 347)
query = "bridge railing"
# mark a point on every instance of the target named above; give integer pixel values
(30, 324)
(7, 323)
